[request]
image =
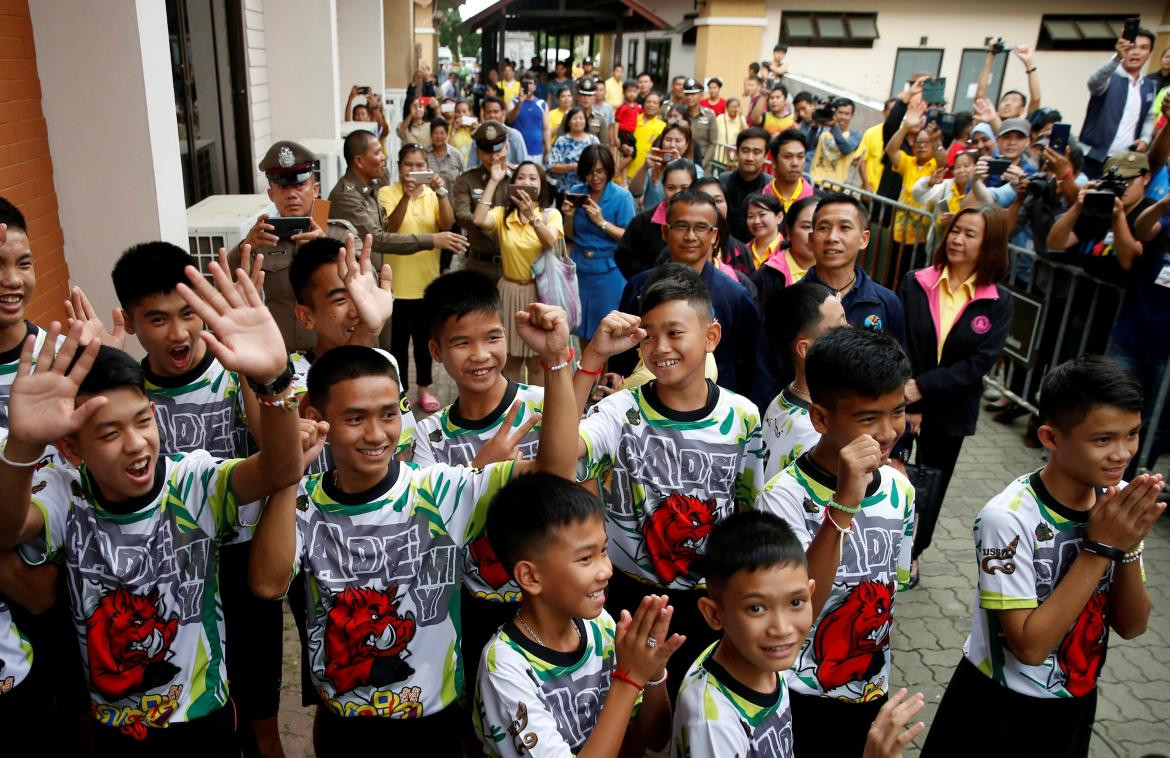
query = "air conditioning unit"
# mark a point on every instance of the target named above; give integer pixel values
(222, 221)
(330, 161)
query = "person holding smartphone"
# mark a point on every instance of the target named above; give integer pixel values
(1119, 101)
(529, 115)
(416, 127)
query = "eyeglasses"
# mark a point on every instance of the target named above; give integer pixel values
(684, 228)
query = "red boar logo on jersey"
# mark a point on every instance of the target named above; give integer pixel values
(849, 640)
(364, 637)
(675, 533)
(490, 568)
(1083, 647)
(128, 641)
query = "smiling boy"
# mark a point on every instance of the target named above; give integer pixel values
(854, 515)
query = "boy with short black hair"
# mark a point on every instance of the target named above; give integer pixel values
(794, 319)
(378, 541)
(674, 456)
(1059, 556)
(492, 419)
(854, 514)
(734, 700)
(139, 533)
(562, 674)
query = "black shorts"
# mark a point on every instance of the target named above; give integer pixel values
(436, 735)
(254, 637)
(827, 726)
(625, 593)
(212, 735)
(300, 611)
(1029, 725)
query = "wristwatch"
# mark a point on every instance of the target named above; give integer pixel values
(276, 386)
(1103, 550)
(442, 192)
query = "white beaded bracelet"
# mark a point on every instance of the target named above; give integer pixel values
(16, 464)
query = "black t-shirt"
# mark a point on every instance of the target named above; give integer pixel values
(1095, 244)
(737, 190)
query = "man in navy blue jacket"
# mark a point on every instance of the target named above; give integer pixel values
(690, 235)
(1119, 102)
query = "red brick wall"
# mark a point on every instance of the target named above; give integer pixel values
(26, 171)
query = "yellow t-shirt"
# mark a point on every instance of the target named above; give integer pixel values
(950, 303)
(412, 273)
(828, 163)
(519, 245)
(613, 92)
(555, 117)
(511, 90)
(777, 124)
(759, 256)
(874, 148)
(644, 135)
(794, 266)
(910, 230)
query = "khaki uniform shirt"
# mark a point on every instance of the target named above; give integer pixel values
(598, 126)
(705, 133)
(468, 191)
(355, 201)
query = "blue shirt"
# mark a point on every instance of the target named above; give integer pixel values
(593, 249)
(530, 122)
(735, 355)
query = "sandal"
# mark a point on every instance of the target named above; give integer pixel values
(428, 402)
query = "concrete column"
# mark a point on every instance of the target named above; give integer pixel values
(121, 181)
(398, 38)
(361, 48)
(426, 35)
(728, 37)
(305, 88)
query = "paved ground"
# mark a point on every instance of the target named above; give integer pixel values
(1133, 718)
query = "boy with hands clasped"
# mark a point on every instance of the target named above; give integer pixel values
(1059, 555)
(138, 534)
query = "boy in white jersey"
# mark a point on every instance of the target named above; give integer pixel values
(200, 405)
(378, 541)
(673, 457)
(1059, 565)
(796, 316)
(734, 699)
(561, 678)
(854, 515)
(492, 419)
(139, 534)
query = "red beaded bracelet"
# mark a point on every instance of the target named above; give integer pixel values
(584, 370)
(621, 676)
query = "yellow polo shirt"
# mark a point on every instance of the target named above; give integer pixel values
(875, 148)
(613, 92)
(910, 231)
(759, 256)
(519, 244)
(950, 303)
(555, 117)
(776, 124)
(412, 273)
(794, 266)
(644, 135)
(511, 90)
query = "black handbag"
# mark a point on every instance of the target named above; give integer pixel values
(927, 481)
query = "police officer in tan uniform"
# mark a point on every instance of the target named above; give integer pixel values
(292, 188)
(595, 122)
(704, 129)
(491, 145)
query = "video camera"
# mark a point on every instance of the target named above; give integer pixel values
(824, 110)
(1099, 200)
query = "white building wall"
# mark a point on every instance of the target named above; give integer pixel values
(360, 48)
(302, 56)
(259, 107)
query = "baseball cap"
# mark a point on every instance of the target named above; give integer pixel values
(1128, 163)
(1021, 125)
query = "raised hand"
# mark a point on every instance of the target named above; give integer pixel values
(372, 297)
(545, 329)
(241, 332)
(505, 445)
(888, 736)
(254, 266)
(984, 110)
(41, 407)
(915, 117)
(313, 434)
(642, 646)
(1121, 517)
(616, 333)
(78, 309)
(855, 466)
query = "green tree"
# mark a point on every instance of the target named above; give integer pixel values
(449, 35)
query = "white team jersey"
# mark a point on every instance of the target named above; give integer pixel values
(1025, 542)
(532, 701)
(788, 432)
(847, 653)
(144, 587)
(16, 654)
(10, 363)
(447, 437)
(668, 477)
(717, 717)
(382, 574)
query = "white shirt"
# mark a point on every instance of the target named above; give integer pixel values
(1127, 127)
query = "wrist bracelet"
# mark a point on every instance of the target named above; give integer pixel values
(622, 676)
(483, 202)
(659, 680)
(1103, 550)
(1134, 554)
(844, 508)
(276, 386)
(1030, 70)
(18, 464)
(559, 366)
(833, 521)
(584, 370)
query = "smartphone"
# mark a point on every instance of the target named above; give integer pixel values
(935, 90)
(996, 166)
(1130, 30)
(422, 177)
(447, 108)
(576, 198)
(517, 189)
(364, 90)
(468, 120)
(1058, 137)
(284, 228)
(425, 101)
(320, 212)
